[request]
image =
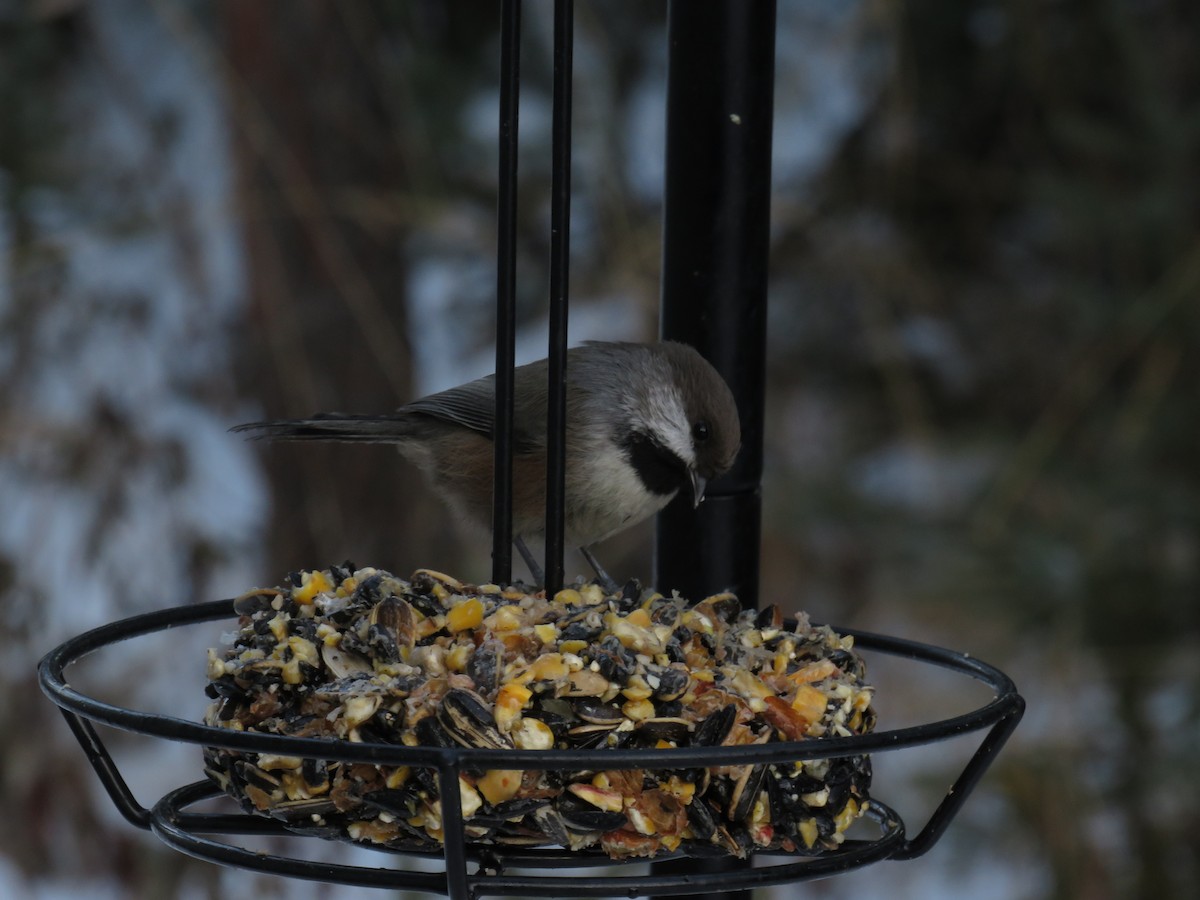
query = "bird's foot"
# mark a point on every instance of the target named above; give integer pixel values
(605, 580)
(539, 576)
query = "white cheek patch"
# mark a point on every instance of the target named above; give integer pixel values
(668, 421)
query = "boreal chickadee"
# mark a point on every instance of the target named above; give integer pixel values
(644, 422)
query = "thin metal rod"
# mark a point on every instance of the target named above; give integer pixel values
(453, 838)
(110, 776)
(560, 246)
(506, 289)
(957, 795)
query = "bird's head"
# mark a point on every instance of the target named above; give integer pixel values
(686, 428)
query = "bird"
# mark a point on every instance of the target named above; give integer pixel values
(644, 421)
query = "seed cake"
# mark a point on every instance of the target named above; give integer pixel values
(362, 655)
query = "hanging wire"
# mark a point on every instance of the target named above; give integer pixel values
(560, 233)
(506, 290)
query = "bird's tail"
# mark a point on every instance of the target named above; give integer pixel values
(332, 427)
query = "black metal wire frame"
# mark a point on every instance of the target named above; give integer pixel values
(506, 288)
(560, 249)
(170, 821)
(560, 242)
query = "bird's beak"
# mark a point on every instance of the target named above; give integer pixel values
(699, 482)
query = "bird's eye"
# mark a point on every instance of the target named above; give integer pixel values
(700, 431)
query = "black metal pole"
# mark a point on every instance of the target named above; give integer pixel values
(716, 219)
(506, 290)
(560, 244)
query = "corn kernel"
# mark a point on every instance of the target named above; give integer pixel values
(681, 790)
(469, 798)
(360, 708)
(637, 689)
(291, 672)
(809, 703)
(510, 700)
(591, 594)
(808, 832)
(637, 710)
(311, 584)
(303, 650)
(750, 685)
(639, 617)
(457, 658)
(816, 798)
(506, 618)
(468, 614)
(216, 665)
(846, 817)
(634, 636)
(498, 785)
(425, 626)
(533, 734)
(549, 667)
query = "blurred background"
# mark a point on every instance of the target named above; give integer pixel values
(984, 369)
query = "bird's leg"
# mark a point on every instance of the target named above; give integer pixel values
(603, 577)
(539, 577)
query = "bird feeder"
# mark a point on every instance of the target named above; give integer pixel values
(719, 120)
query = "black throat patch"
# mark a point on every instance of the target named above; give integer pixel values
(661, 470)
